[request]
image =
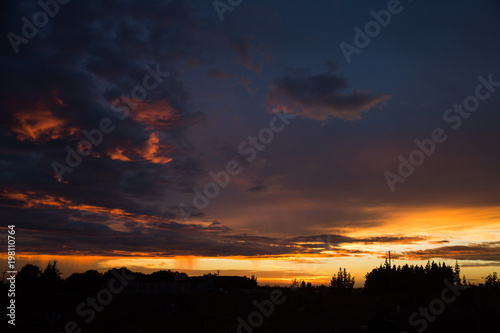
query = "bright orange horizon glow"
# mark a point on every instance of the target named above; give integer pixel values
(273, 271)
(442, 234)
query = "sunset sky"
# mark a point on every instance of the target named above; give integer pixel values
(311, 193)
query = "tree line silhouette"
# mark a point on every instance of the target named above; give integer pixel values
(414, 278)
(32, 276)
(382, 280)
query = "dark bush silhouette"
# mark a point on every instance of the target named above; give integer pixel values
(88, 280)
(29, 274)
(167, 276)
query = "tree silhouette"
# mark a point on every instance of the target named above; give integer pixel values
(295, 284)
(456, 274)
(51, 276)
(342, 283)
(492, 280)
(464, 281)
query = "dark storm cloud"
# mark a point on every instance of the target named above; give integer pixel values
(487, 251)
(322, 96)
(251, 238)
(66, 227)
(489, 264)
(439, 242)
(57, 226)
(339, 239)
(245, 50)
(258, 187)
(217, 73)
(63, 82)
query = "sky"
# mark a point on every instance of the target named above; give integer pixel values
(282, 139)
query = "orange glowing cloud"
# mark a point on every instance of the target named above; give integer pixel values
(152, 150)
(157, 115)
(40, 125)
(116, 217)
(117, 154)
(31, 199)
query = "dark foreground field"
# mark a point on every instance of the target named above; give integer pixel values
(314, 310)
